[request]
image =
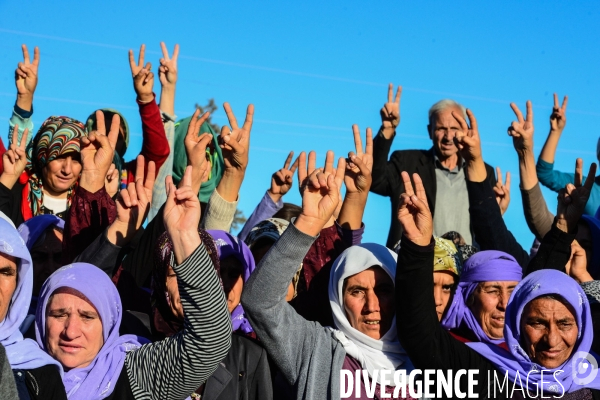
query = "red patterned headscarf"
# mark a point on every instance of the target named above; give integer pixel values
(57, 136)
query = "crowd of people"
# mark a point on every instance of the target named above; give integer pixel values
(121, 279)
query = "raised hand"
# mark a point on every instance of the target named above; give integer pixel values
(502, 191)
(143, 77)
(321, 196)
(558, 118)
(26, 78)
(358, 170)
(195, 148)
(573, 198)
(281, 181)
(468, 141)
(304, 169)
(167, 72)
(522, 130)
(576, 267)
(414, 213)
(14, 160)
(390, 112)
(133, 204)
(235, 141)
(97, 152)
(112, 182)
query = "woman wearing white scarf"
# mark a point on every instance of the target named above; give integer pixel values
(372, 354)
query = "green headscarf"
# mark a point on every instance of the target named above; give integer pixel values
(180, 158)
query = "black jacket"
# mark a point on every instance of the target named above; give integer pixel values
(40, 383)
(388, 182)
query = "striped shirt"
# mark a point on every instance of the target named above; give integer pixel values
(176, 366)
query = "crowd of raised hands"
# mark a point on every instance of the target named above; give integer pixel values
(121, 279)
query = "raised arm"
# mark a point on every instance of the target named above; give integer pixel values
(235, 146)
(486, 219)
(287, 336)
(167, 73)
(271, 202)
(176, 366)
(384, 174)
(26, 79)
(554, 180)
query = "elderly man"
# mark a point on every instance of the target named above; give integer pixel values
(440, 167)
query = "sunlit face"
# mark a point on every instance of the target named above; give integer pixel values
(369, 302)
(61, 173)
(489, 305)
(46, 257)
(443, 283)
(73, 331)
(549, 331)
(8, 282)
(173, 293)
(443, 127)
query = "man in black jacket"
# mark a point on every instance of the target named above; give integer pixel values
(440, 167)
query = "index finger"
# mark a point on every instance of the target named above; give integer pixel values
(230, 116)
(301, 167)
(398, 95)
(357, 140)
(294, 165)
(517, 112)
(113, 135)
(473, 122)
(329, 159)
(139, 168)
(100, 126)
(589, 180)
(390, 92)
(165, 52)
(288, 160)
(556, 105)
(141, 56)
(578, 172)
(369, 146)
(408, 188)
(132, 64)
(23, 143)
(507, 185)
(25, 54)
(461, 121)
(249, 117)
(36, 56)
(175, 53)
(150, 175)
(193, 127)
(499, 175)
(15, 134)
(420, 189)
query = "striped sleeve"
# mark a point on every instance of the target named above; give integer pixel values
(176, 366)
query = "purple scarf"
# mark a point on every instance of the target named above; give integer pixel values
(484, 266)
(228, 245)
(97, 380)
(536, 284)
(21, 353)
(32, 229)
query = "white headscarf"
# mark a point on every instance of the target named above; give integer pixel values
(385, 353)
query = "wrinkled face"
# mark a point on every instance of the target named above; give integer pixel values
(443, 283)
(61, 173)
(46, 257)
(489, 305)
(8, 282)
(549, 331)
(369, 302)
(442, 130)
(173, 293)
(73, 331)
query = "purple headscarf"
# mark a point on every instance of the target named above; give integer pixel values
(536, 284)
(484, 266)
(21, 353)
(97, 380)
(228, 245)
(32, 229)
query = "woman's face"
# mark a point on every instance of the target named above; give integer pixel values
(369, 302)
(443, 283)
(73, 331)
(61, 173)
(173, 293)
(489, 305)
(549, 331)
(8, 282)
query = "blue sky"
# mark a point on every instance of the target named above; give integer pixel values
(312, 69)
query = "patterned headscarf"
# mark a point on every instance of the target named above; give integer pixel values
(57, 136)
(465, 250)
(446, 257)
(164, 322)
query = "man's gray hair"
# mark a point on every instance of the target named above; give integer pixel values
(444, 104)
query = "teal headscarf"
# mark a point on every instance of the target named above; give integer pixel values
(180, 158)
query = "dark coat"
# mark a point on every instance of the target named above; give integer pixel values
(388, 182)
(40, 383)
